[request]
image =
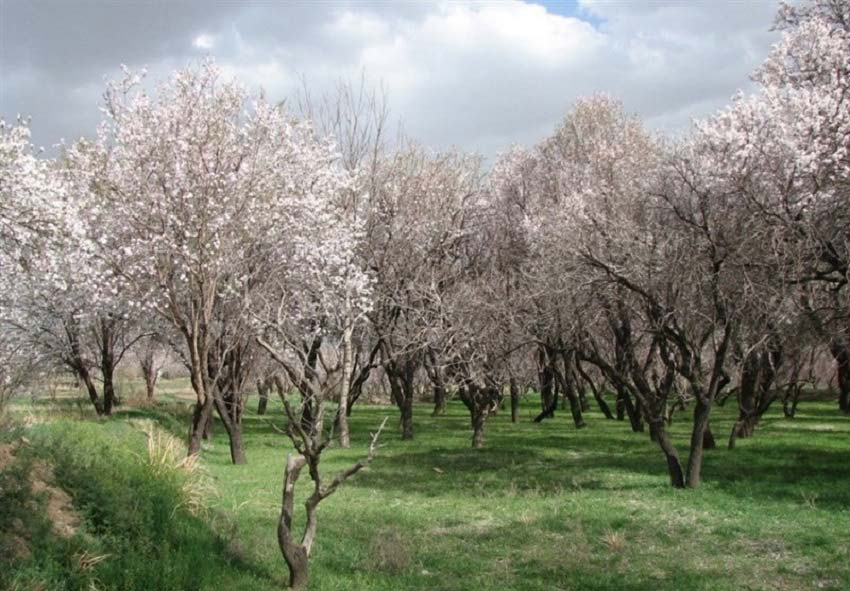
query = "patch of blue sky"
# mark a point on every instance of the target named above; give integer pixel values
(569, 8)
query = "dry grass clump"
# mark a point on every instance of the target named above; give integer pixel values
(166, 456)
(390, 552)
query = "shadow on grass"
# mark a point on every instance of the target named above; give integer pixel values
(775, 465)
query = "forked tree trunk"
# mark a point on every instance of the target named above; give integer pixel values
(201, 417)
(402, 391)
(150, 373)
(480, 402)
(791, 399)
(755, 394)
(294, 554)
(597, 395)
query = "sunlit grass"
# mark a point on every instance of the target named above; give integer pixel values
(544, 506)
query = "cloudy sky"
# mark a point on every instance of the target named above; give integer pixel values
(477, 75)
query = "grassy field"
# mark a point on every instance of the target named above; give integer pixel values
(542, 507)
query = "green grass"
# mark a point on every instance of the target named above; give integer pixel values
(542, 507)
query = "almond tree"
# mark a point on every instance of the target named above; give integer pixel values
(152, 354)
(58, 303)
(315, 293)
(785, 148)
(28, 190)
(190, 182)
(415, 227)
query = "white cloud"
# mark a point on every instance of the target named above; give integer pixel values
(204, 41)
(480, 75)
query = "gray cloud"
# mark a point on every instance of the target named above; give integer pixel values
(477, 75)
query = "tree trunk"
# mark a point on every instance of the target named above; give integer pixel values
(582, 398)
(294, 554)
(439, 387)
(514, 389)
(345, 384)
(407, 417)
(790, 400)
(743, 427)
(78, 366)
(548, 400)
(597, 395)
(841, 354)
(708, 441)
(85, 376)
(569, 387)
(263, 387)
(701, 412)
(674, 466)
(201, 416)
(107, 363)
(237, 448)
(147, 363)
(625, 403)
(478, 429)
(402, 392)
(439, 400)
(231, 417)
(108, 388)
(150, 387)
(208, 428)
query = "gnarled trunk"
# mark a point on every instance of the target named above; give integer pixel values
(597, 395)
(294, 554)
(755, 396)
